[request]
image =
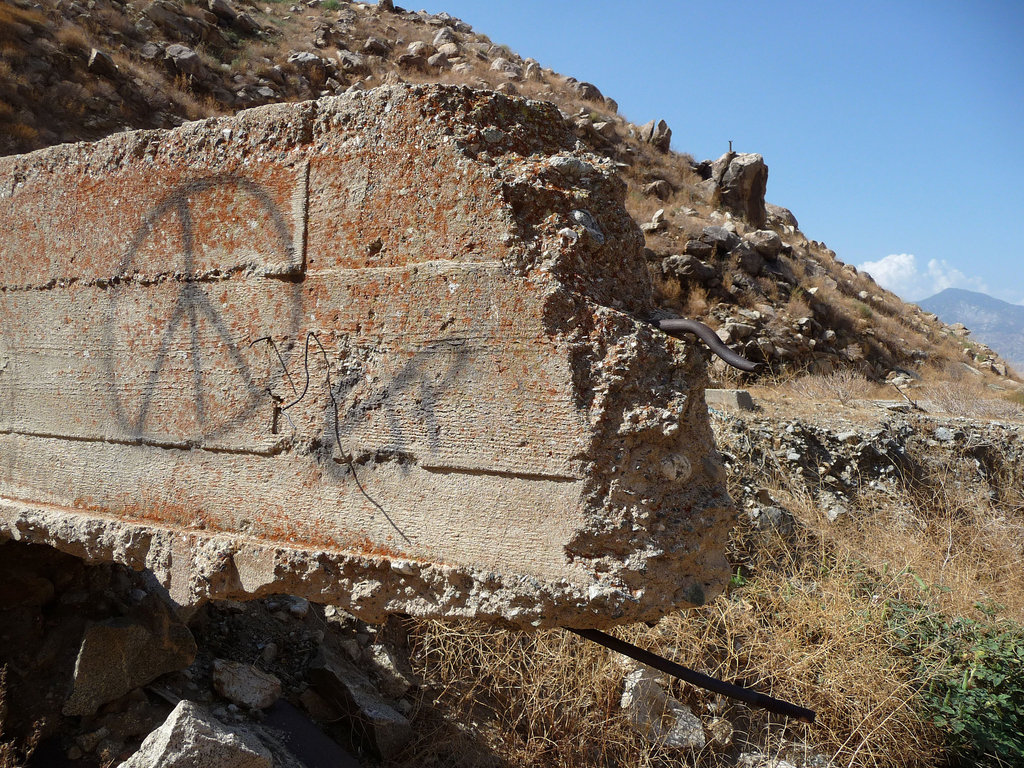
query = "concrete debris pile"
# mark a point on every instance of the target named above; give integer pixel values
(844, 466)
(100, 670)
(385, 351)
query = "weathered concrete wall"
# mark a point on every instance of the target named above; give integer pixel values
(524, 450)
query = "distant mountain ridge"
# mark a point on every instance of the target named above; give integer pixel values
(992, 321)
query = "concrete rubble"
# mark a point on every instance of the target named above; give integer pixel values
(191, 737)
(658, 716)
(379, 351)
(732, 399)
(344, 686)
(245, 685)
(120, 654)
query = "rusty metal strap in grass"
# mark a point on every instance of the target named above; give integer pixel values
(753, 698)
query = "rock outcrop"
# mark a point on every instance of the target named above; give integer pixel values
(741, 181)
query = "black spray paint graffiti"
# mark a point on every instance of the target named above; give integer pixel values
(420, 379)
(423, 379)
(193, 306)
(418, 385)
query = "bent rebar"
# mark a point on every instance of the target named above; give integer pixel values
(704, 333)
(699, 679)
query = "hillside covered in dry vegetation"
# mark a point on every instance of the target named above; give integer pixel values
(878, 558)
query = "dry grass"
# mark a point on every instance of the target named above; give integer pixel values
(797, 305)
(17, 24)
(73, 37)
(810, 628)
(186, 100)
(955, 391)
(696, 304)
(808, 618)
(841, 386)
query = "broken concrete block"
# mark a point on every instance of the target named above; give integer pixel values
(336, 350)
(342, 684)
(732, 399)
(656, 715)
(393, 680)
(119, 655)
(191, 737)
(245, 685)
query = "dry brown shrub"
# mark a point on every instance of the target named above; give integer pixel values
(18, 23)
(181, 94)
(842, 386)
(808, 619)
(797, 305)
(697, 304)
(73, 37)
(810, 628)
(957, 392)
(21, 132)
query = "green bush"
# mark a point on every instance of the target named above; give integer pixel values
(972, 674)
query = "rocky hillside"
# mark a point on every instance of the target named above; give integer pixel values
(716, 250)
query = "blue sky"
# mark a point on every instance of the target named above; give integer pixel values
(893, 131)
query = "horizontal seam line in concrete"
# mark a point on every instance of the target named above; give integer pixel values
(444, 470)
(249, 269)
(431, 264)
(276, 449)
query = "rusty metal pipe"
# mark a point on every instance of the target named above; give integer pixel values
(704, 333)
(708, 683)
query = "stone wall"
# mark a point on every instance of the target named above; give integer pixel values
(384, 350)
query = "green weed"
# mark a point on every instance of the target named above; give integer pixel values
(972, 681)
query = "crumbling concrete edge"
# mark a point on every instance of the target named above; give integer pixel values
(197, 567)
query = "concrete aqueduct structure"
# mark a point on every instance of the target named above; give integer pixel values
(385, 350)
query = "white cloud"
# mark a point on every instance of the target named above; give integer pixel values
(900, 273)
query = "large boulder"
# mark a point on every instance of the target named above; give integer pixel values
(509, 69)
(766, 242)
(723, 240)
(688, 267)
(741, 181)
(184, 61)
(588, 92)
(174, 22)
(311, 66)
(100, 63)
(779, 216)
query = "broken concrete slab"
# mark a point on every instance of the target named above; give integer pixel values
(377, 350)
(733, 399)
(342, 684)
(245, 685)
(191, 736)
(118, 655)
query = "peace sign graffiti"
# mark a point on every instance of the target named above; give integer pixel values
(177, 334)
